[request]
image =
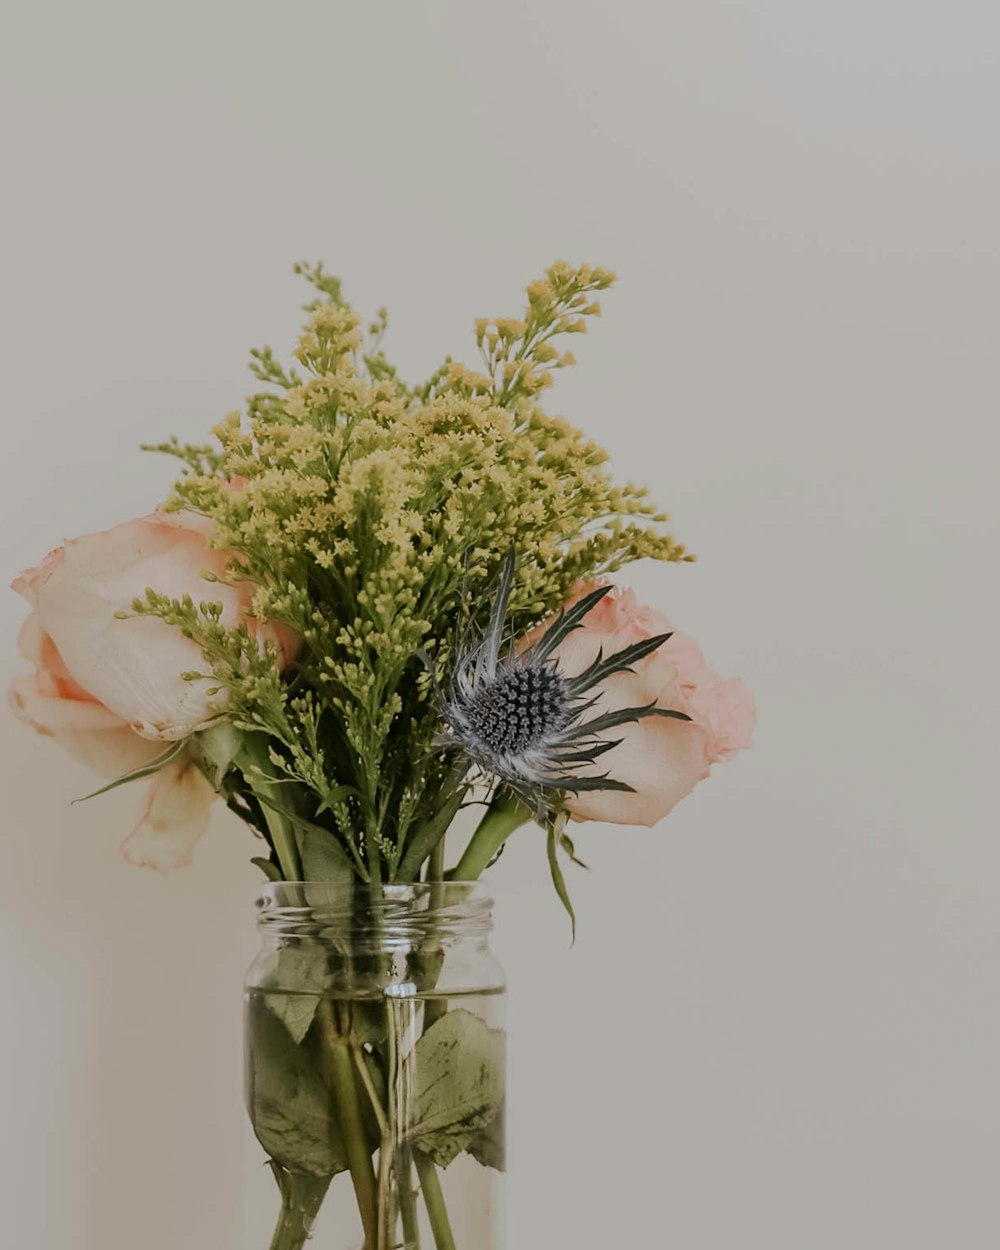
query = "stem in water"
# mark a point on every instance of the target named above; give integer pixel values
(301, 1198)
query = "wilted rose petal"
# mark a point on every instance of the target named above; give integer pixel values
(176, 814)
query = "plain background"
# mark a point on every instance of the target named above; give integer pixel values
(779, 1026)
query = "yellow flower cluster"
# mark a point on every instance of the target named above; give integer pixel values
(374, 517)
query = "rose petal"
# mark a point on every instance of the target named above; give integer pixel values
(85, 651)
(134, 666)
(663, 760)
(31, 581)
(86, 730)
(36, 646)
(175, 815)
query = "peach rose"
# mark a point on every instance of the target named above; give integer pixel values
(110, 690)
(662, 759)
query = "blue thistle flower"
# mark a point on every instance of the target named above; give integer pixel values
(522, 722)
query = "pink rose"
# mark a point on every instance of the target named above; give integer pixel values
(110, 690)
(662, 759)
(55, 704)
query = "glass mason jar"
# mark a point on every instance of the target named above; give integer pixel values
(375, 1069)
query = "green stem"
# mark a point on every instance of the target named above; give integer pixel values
(435, 865)
(407, 1198)
(429, 957)
(502, 818)
(427, 837)
(301, 1198)
(358, 1055)
(345, 1092)
(434, 1008)
(437, 1212)
(261, 777)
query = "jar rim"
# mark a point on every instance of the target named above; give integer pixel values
(284, 904)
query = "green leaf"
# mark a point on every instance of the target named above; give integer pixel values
(456, 1073)
(567, 844)
(270, 870)
(428, 836)
(489, 1146)
(321, 855)
(175, 750)
(323, 858)
(558, 880)
(301, 977)
(301, 1198)
(335, 794)
(291, 1109)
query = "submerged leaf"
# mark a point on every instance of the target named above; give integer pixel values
(290, 1107)
(301, 1198)
(488, 1147)
(456, 1073)
(301, 976)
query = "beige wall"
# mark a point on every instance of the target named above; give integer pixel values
(779, 1026)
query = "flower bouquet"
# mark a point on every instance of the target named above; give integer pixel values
(368, 611)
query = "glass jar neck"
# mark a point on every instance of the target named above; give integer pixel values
(389, 917)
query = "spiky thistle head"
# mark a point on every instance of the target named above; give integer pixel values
(518, 719)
